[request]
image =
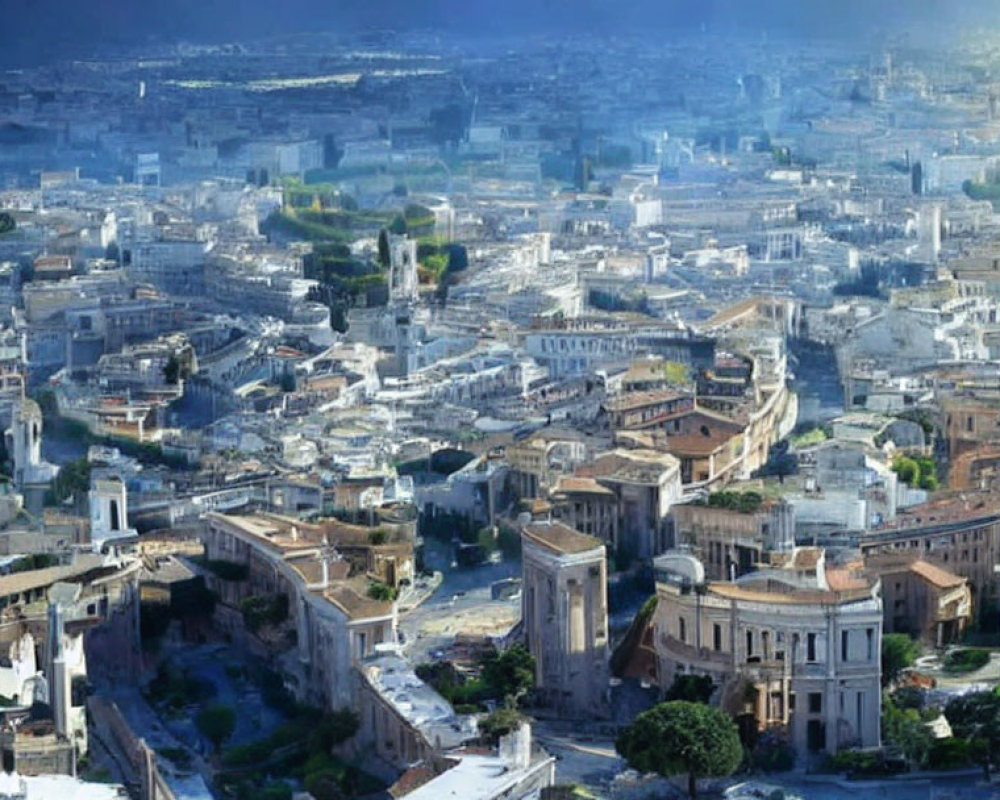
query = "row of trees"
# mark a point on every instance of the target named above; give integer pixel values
(507, 677)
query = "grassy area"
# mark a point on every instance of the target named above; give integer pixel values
(966, 660)
(809, 438)
(297, 751)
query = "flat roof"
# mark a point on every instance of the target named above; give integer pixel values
(64, 787)
(474, 777)
(418, 703)
(560, 538)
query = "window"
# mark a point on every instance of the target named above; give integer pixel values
(791, 701)
(810, 647)
(717, 637)
(815, 703)
(844, 641)
(682, 629)
(749, 643)
(870, 632)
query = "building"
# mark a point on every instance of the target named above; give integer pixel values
(922, 600)
(564, 610)
(731, 542)
(516, 770)
(32, 474)
(337, 625)
(586, 506)
(646, 484)
(959, 533)
(405, 720)
(794, 648)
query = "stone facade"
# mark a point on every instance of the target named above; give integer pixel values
(565, 613)
(779, 654)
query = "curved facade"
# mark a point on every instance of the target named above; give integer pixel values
(783, 648)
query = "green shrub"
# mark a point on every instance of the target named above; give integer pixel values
(863, 763)
(966, 660)
(949, 754)
(262, 610)
(743, 502)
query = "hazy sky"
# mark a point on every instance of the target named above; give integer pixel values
(33, 29)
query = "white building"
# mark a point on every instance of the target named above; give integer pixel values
(796, 646)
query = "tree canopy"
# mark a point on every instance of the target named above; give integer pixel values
(216, 724)
(693, 688)
(678, 738)
(510, 673)
(899, 651)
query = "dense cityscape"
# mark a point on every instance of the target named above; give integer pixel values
(406, 413)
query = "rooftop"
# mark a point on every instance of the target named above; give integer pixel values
(420, 705)
(936, 576)
(575, 485)
(560, 538)
(633, 400)
(631, 466)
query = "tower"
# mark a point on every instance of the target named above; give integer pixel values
(65, 661)
(564, 608)
(23, 439)
(402, 268)
(108, 502)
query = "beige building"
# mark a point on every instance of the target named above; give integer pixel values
(959, 533)
(538, 461)
(731, 543)
(796, 648)
(337, 625)
(564, 608)
(922, 600)
(587, 506)
(646, 484)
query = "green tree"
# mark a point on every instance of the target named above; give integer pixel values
(907, 469)
(398, 225)
(899, 651)
(681, 738)
(976, 717)
(325, 785)
(500, 723)
(676, 374)
(510, 673)
(904, 728)
(691, 688)
(335, 728)
(216, 724)
(73, 479)
(929, 483)
(379, 591)
(384, 257)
